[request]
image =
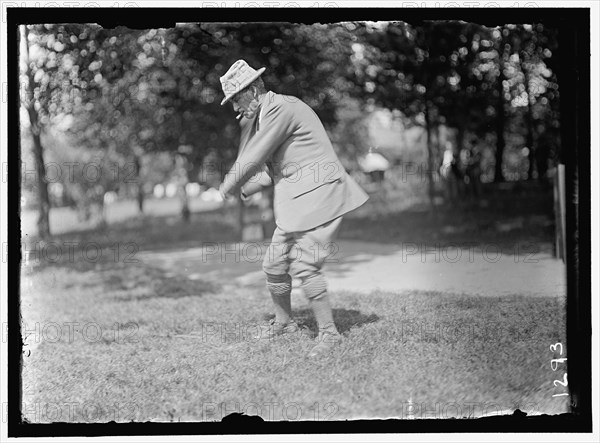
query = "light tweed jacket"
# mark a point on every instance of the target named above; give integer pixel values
(285, 144)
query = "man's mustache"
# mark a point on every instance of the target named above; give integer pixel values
(252, 108)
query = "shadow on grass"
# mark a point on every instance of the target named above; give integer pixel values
(121, 243)
(169, 288)
(139, 282)
(504, 215)
(345, 319)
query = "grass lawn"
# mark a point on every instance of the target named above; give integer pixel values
(121, 340)
(166, 350)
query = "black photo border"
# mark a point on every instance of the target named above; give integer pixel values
(574, 80)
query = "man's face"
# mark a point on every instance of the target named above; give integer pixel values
(245, 102)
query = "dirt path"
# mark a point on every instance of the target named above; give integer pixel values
(364, 267)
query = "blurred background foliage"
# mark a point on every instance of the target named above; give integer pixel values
(124, 114)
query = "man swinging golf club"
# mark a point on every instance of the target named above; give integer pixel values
(283, 143)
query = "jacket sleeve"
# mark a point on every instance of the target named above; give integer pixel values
(275, 127)
(257, 183)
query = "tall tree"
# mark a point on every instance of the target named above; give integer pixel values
(47, 53)
(30, 104)
(500, 94)
(532, 47)
(415, 69)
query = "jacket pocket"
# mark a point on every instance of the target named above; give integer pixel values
(310, 184)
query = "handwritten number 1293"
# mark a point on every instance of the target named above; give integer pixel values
(554, 365)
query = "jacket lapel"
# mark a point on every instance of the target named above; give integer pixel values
(249, 127)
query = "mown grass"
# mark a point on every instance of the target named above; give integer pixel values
(147, 344)
(188, 351)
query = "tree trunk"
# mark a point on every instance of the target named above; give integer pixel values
(500, 117)
(500, 120)
(460, 142)
(183, 195)
(140, 186)
(185, 206)
(140, 198)
(455, 168)
(439, 151)
(532, 150)
(529, 124)
(430, 160)
(43, 223)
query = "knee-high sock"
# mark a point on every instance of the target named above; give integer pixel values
(280, 287)
(315, 289)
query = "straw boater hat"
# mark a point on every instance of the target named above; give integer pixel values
(237, 78)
